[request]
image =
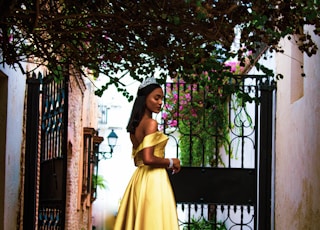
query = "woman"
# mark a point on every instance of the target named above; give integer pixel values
(148, 202)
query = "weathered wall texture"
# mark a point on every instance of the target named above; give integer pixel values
(297, 176)
(11, 157)
(82, 113)
(73, 212)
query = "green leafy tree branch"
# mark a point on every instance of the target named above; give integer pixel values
(141, 37)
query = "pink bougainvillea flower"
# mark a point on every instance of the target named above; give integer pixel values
(168, 88)
(106, 37)
(193, 113)
(188, 96)
(183, 102)
(166, 107)
(11, 38)
(233, 66)
(173, 123)
(164, 115)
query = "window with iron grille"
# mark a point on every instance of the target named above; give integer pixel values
(91, 142)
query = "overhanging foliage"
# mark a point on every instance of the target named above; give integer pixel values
(138, 37)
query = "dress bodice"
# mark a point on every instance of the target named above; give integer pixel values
(158, 140)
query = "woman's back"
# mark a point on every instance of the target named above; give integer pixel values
(146, 126)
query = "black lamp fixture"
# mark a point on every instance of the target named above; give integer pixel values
(112, 142)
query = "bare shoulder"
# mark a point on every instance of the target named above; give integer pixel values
(146, 126)
(150, 126)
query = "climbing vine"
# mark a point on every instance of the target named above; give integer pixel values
(199, 112)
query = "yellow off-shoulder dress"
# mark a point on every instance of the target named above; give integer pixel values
(148, 202)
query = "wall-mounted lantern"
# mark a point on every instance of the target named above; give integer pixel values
(112, 142)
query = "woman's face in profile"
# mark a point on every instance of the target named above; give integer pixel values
(154, 100)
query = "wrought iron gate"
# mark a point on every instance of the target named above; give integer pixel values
(225, 145)
(45, 159)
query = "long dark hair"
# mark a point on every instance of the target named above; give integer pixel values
(139, 107)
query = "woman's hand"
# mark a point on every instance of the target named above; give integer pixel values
(176, 166)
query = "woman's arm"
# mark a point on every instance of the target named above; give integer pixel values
(148, 156)
(150, 159)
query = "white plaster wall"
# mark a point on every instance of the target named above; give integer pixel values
(16, 95)
(297, 178)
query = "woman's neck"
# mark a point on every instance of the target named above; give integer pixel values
(147, 114)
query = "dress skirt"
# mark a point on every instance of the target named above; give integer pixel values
(148, 202)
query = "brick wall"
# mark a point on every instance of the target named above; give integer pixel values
(82, 113)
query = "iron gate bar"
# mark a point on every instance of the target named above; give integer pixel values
(265, 161)
(31, 154)
(214, 185)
